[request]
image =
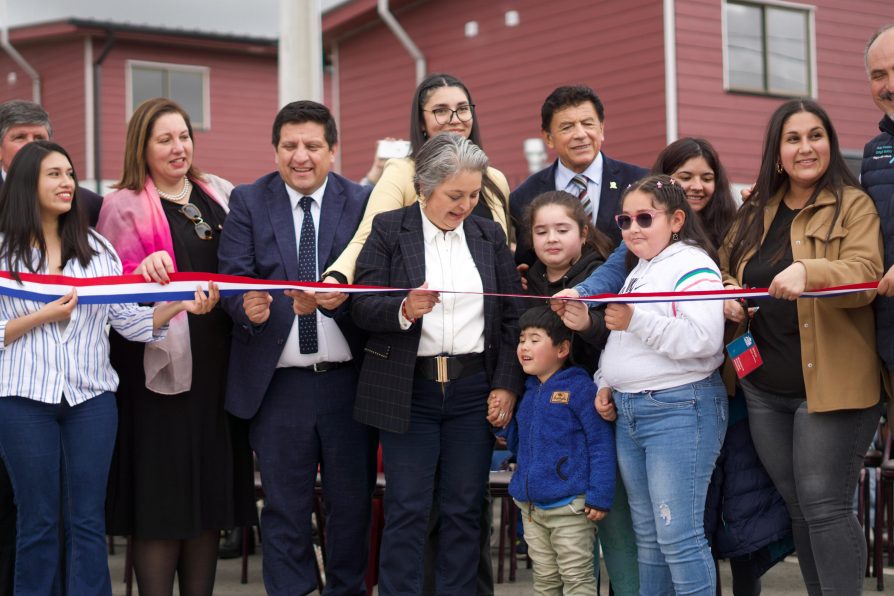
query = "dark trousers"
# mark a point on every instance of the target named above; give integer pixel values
(814, 460)
(449, 439)
(7, 533)
(304, 422)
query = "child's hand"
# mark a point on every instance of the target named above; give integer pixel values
(500, 405)
(558, 306)
(617, 316)
(576, 315)
(605, 404)
(594, 515)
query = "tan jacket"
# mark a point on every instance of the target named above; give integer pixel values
(838, 356)
(393, 191)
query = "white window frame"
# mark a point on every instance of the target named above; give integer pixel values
(205, 71)
(812, 78)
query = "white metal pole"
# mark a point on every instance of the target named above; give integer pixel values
(300, 51)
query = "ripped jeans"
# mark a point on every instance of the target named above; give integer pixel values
(667, 444)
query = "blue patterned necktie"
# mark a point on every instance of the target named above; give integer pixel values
(580, 185)
(307, 271)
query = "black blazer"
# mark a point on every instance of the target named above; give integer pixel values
(258, 240)
(394, 256)
(616, 175)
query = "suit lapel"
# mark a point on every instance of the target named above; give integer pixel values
(482, 253)
(412, 246)
(609, 195)
(279, 208)
(330, 214)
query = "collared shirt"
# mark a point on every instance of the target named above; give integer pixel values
(331, 343)
(594, 181)
(456, 324)
(70, 358)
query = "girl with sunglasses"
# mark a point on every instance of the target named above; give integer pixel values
(57, 410)
(658, 378)
(182, 470)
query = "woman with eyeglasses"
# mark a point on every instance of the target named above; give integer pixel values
(182, 470)
(441, 103)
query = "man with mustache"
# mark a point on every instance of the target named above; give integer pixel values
(877, 176)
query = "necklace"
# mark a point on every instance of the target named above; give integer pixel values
(177, 198)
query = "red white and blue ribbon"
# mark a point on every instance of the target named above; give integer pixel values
(132, 288)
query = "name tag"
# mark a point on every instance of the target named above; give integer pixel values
(559, 397)
(744, 354)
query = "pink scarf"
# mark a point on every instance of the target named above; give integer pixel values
(135, 224)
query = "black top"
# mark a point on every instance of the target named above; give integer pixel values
(775, 325)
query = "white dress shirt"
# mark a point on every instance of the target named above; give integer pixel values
(594, 181)
(331, 343)
(70, 357)
(456, 324)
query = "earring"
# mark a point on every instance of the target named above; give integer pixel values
(675, 237)
(778, 168)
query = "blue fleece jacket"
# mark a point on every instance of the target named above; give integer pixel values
(562, 446)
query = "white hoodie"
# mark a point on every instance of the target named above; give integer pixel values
(667, 343)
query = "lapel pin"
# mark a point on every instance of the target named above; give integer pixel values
(613, 185)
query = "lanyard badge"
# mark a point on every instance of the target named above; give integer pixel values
(743, 351)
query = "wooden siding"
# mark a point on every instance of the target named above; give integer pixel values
(735, 122)
(615, 48)
(61, 68)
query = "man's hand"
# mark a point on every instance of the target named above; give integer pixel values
(330, 300)
(303, 302)
(256, 305)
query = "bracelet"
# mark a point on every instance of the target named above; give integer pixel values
(403, 311)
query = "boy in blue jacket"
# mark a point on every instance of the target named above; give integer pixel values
(565, 479)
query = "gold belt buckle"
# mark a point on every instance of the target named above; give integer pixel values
(441, 362)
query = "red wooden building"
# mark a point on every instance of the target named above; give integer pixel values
(94, 73)
(663, 68)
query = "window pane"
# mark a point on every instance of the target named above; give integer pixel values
(744, 27)
(146, 84)
(186, 89)
(787, 48)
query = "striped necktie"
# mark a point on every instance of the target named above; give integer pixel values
(579, 183)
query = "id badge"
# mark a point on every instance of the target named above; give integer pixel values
(744, 354)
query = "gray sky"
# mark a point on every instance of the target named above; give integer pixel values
(242, 17)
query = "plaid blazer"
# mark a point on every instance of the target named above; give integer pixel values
(394, 255)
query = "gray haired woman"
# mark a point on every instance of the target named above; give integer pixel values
(435, 358)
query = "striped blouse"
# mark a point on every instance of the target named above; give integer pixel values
(70, 359)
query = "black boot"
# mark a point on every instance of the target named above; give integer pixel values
(231, 545)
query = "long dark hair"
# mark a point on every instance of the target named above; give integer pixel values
(748, 226)
(492, 195)
(20, 223)
(595, 239)
(718, 214)
(669, 195)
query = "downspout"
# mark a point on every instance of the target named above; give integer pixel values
(97, 110)
(403, 38)
(20, 60)
(670, 72)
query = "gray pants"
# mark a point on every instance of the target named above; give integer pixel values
(814, 460)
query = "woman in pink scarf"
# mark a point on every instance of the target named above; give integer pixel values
(182, 469)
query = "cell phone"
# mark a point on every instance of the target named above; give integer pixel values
(392, 149)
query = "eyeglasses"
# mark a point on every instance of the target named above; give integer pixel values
(192, 213)
(444, 115)
(643, 219)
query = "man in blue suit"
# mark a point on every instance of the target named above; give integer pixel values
(572, 121)
(293, 372)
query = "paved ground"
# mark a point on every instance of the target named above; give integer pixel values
(783, 580)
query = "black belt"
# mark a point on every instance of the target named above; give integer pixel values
(321, 367)
(449, 368)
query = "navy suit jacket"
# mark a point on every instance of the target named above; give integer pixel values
(394, 256)
(616, 175)
(259, 241)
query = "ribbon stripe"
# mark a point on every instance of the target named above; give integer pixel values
(132, 288)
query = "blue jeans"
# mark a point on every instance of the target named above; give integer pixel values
(667, 443)
(59, 454)
(449, 434)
